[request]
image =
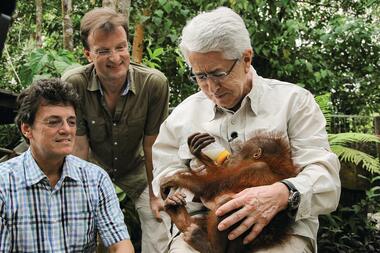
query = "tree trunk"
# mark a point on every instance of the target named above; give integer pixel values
(39, 23)
(138, 40)
(68, 42)
(109, 3)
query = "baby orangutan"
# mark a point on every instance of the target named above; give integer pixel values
(264, 159)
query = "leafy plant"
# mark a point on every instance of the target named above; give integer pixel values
(325, 46)
(153, 59)
(351, 229)
(46, 63)
(342, 144)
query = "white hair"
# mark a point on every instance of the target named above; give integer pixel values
(219, 30)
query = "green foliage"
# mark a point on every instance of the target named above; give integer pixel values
(339, 35)
(322, 45)
(324, 102)
(325, 46)
(45, 63)
(342, 143)
(153, 59)
(351, 229)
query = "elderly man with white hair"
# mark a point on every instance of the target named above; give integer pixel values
(234, 100)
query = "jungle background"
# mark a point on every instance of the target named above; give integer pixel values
(331, 48)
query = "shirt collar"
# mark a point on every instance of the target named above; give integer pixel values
(131, 79)
(252, 97)
(94, 84)
(33, 173)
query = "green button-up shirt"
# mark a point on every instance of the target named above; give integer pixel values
(116, 140)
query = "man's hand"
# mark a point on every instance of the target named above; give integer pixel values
(156, 206)
(255, 207)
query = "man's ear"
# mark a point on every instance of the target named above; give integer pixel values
(87, 53)
(26, 130)
(247, 59)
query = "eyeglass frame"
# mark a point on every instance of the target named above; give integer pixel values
(216, 78)
(57, 122)
(109, 52)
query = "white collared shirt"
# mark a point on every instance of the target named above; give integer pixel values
(272, 106)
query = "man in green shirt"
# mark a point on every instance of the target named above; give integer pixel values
(122, 107)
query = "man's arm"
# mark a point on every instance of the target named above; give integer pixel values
(318, 182)
(124, 246)
(166, 157)
(5, 242)
(156, 204)
(81, 147)
(110, 219)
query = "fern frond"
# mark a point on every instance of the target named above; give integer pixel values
(324, 102)
(345, 139)
(357, 157)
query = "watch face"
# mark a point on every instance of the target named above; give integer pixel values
(294, 200)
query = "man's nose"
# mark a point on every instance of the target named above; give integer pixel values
(213, 84)
(115, 56)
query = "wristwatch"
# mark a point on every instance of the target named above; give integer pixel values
(294, 198)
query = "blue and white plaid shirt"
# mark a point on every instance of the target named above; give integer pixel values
(37, 218)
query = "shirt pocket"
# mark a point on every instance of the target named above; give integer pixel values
(97, 129)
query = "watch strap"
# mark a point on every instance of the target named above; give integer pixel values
(289, 184)
(293, 200)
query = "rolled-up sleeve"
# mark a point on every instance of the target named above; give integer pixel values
(318, 181)
(109, 216)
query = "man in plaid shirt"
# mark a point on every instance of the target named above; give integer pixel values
(51, 201)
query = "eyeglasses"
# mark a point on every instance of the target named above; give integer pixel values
(109, 52)
(56, 122)
(216, 76)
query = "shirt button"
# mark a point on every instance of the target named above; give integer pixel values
(113, 179)
(115, 143)
(233, 122)
(114, 124)
(115, 158)
(93, 122)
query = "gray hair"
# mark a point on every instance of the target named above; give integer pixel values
(219, 30)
